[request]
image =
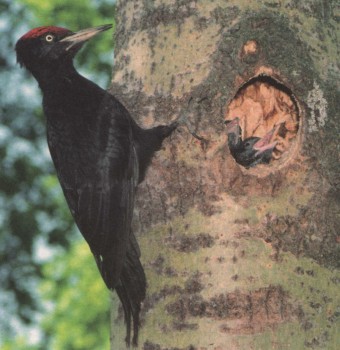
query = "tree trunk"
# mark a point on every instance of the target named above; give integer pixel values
(235, 258)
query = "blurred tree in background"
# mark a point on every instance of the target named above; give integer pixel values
(76, 305)
(38, 240)
(80, 317)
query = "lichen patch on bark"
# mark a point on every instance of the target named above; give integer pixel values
(162, 63)
(242, 313)
(211, 296)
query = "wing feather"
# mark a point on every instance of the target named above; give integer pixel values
(100, 191)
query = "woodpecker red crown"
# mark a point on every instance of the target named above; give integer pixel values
(39, 31)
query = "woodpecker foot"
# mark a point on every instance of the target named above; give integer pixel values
(183, 120)
(204, 142)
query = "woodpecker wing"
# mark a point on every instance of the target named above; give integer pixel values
(104, 217)
(105, 207)
(98, 168)
(99, 184)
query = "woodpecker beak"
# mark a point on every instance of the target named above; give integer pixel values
(78, 38)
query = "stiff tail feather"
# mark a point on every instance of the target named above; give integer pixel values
(131, 292)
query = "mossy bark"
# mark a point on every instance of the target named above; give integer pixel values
(235, 258)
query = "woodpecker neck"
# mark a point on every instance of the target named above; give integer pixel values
(50, 75)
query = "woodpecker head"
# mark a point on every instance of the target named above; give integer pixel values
(50, 47)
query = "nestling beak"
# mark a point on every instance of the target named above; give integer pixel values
(233, 130)
(232, 125)
(80, 37)
(264, 143)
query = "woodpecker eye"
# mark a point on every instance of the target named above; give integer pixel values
(49, 38)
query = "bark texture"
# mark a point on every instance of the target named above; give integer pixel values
(236, 258)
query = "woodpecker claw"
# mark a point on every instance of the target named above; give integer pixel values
(182, 119)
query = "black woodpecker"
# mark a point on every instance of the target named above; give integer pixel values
(100, 155)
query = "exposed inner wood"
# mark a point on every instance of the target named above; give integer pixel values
(261, 106)
(250, 47)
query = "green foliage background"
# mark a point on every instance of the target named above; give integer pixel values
(55, 300)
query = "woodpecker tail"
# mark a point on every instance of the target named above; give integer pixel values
(131, 291)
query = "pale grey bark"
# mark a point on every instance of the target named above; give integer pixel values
(235, 258)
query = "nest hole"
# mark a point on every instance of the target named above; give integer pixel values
(262, 104)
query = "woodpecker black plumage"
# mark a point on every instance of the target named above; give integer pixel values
(251, 151)
(100, 155)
